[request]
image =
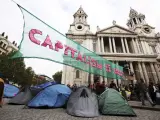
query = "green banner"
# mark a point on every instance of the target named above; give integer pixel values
(42, 41)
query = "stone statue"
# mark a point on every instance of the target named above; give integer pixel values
(114, 22)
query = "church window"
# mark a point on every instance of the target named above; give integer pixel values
(79, 16)
(134, 20)
(4, 45)
(140, 20)
(77, 74)
(79, 11)
(79, 27)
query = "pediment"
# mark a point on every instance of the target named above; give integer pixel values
(116, 29)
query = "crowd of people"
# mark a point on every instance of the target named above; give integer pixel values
(139, 91)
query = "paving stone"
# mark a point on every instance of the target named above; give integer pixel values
(14, 112)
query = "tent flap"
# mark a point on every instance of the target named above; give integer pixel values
(22, 97)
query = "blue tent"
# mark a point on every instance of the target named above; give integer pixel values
(52, 96)
(36, 89)
(10, 91)
(44, 85)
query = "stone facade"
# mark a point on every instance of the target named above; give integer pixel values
(6, 46)
(138, 46)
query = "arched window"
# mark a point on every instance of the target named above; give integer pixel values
(77, 74)
(134, 19)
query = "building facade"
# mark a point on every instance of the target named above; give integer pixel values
(6, 46)
(137, 46)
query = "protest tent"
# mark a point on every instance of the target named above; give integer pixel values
(44, 85)
(83, 103)
(10, 91)
(36, 89)
(23, 97)
(111, 102)
(51, 96)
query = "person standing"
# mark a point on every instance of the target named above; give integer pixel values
(123, 92)
(143, 93)
(152, 91)
(113, 85)
(1, 91)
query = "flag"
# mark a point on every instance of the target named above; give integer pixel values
(42, 41)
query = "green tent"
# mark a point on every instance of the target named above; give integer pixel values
(112, 103)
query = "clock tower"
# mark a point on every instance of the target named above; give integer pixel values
(138, 24)
(79, 31)
(79, 25)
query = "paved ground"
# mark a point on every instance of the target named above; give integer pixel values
(12, 112)
(138, 104)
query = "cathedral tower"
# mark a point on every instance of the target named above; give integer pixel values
(79, 31)
(79, 25)
(138, 24)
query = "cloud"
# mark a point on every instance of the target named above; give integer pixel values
(59, 14)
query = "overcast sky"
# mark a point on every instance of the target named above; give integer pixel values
(59, 14)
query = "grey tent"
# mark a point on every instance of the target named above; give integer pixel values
(83, 103)
(112, 102)
(23, 97)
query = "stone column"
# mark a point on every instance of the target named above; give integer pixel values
(132, 69)
(123, 48)
(144, 48)
(64, 75)
(151, 51)
(133, 22)
(125, 40)
(92, 79)
(99, 47)
(106, 80)
(157, 71)
(137, 44)
(145, 73)
(147, 47)
(110, 45)
(140, 70)
(102, 44)
(154, 73)
(101, 79)
(134, 45)
(114, 45)
(119, 80)
(159, 47)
